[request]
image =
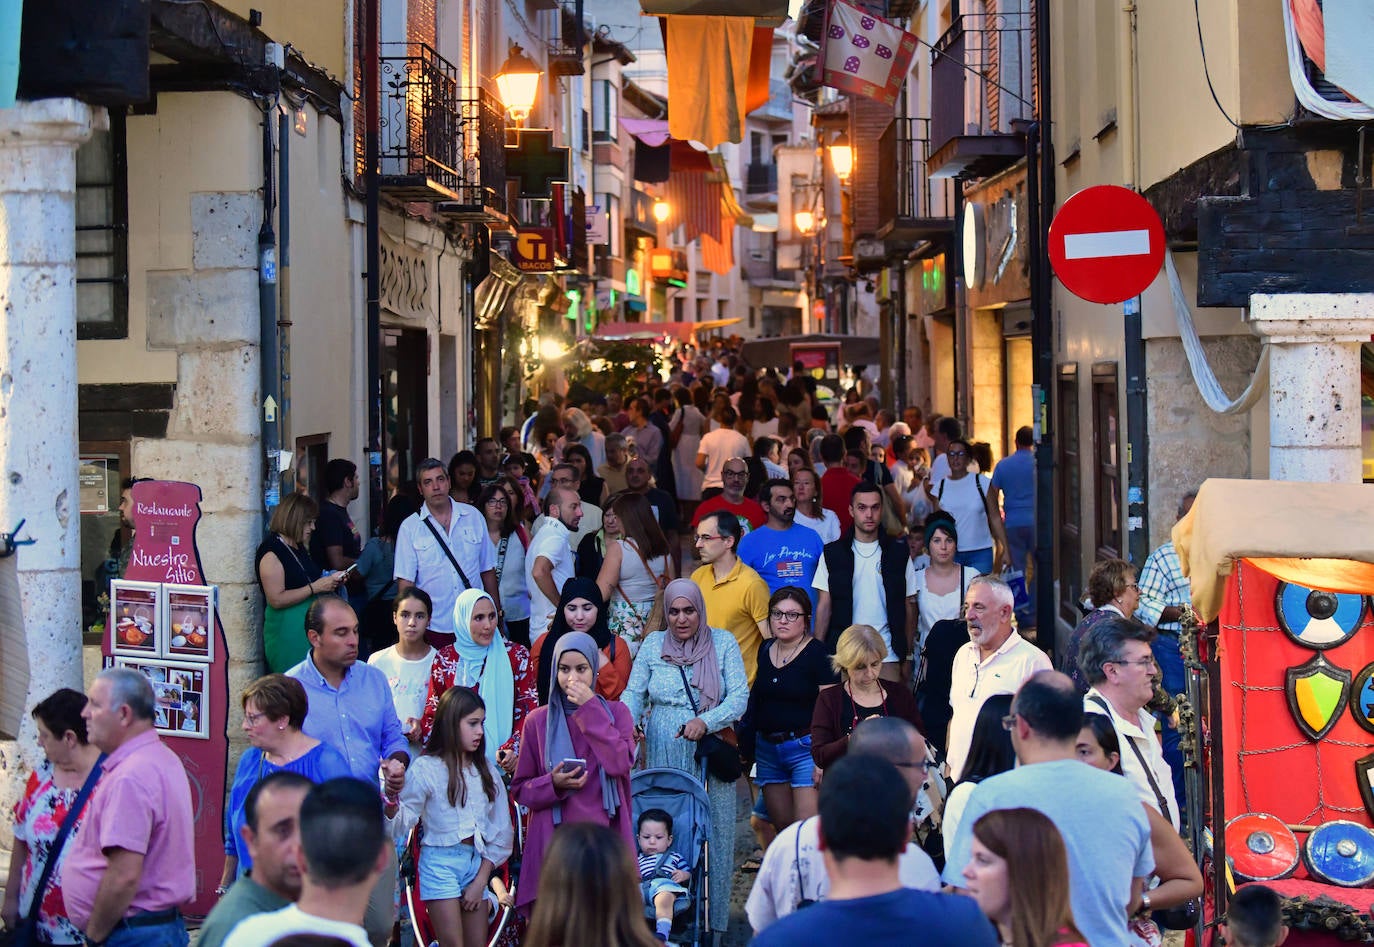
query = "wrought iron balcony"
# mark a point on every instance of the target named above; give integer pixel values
(904, 186)
(778, 108)
(980, 83)
(761, 178)
(440, 143)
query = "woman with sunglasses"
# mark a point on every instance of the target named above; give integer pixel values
(793, 669)
(1113, 590)
(964, 495)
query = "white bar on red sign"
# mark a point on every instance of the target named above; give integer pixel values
(1085, 246)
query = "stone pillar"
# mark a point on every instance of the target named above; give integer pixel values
(40, 586)
(1314, 382)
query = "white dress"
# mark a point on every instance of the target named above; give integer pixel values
(685, 472)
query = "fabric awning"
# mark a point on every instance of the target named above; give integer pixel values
(654, 331)
(1321, 535)
(652, 131)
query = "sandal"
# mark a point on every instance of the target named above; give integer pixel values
(753, 862)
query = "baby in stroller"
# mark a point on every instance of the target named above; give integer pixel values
(663, 874)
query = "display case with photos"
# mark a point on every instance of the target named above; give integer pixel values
(179, 695)
(189, 612)
(136, 619)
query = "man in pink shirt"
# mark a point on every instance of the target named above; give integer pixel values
(133, 864)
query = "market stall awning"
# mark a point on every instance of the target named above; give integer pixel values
(777, 352)
(655, 331)
(1320, 535)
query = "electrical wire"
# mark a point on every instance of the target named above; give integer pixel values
(1207, 74)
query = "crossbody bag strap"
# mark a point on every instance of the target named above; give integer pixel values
(688, 688)
(60, 840)
(796, 859)
(448, 552)
(501, 553)
(659, 580)
(1140, 756)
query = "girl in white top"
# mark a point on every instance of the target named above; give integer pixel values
(468, 830)
(964, 495)
(940, 586)
(636, 567)
(407, 663)
(807, 487)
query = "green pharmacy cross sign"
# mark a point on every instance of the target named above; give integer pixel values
(537, 163)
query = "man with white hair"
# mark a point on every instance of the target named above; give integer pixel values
(130, 867)
(996, 660)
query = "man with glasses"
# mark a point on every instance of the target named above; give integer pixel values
(793, 869)
(996, 660)
(568, 477)
(1098, 814)
(736, 597)
(782, 551)
(1116, 659)
(735, 476)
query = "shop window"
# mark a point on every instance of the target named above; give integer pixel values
(605, 110)
(102, 234)
(1070, 494)
(1106, 462)
(103, 465)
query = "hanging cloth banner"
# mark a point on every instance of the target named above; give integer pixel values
(708, 77)
(863, 54)
(759, 9)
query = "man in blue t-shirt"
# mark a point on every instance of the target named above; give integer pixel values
(865, 807)
(782, 551)
(1013, 485)
(1099, 814)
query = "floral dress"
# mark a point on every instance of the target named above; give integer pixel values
(37, 817)
(658, 703)
(448, 670)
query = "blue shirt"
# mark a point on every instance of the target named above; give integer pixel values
(1015, 477)
(904, 916)
(784, 556)
(358, 719)
(1104, 826)
(317, 765)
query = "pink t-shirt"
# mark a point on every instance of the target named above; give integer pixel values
(141, 804)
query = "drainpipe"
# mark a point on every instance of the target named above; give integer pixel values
(284, 131)
(1040, 180)
(1137, 383)
(267, 326)
(372, 110)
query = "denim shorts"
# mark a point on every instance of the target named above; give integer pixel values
(445, 870)
(788, 762)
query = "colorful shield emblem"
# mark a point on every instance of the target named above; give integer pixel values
(1364, 778)
(1317, 693)
(1315, 618)
(1260, 847)
(1362, 698)
(1340, 853)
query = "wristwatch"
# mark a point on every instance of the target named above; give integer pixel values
(1144, 903)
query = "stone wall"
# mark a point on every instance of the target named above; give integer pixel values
(208, 316)
(1188, 441)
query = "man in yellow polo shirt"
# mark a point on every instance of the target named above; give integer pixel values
(736, 596)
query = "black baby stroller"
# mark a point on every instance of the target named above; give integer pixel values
(683, 797)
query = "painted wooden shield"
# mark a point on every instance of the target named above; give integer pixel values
(1340, 853)
(1364, 778)
(1260, 847)
(1315, 618)
(1317, 693)
(1362, 698)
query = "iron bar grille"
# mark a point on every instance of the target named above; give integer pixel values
(903, 182)
(980, 73)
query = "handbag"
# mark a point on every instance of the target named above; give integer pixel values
(719, 750)
(657, 619)
(25, 933)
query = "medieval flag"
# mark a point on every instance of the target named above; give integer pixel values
(863, 54)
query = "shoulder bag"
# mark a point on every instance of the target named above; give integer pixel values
(719, 750)
(656, 620)
(25, 933)
(447, 551)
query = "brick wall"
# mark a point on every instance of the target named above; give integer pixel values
(867, 120)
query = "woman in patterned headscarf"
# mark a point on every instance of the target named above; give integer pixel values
(707, 660)
(575, 758)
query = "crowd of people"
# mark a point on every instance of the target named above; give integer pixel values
(717, 574)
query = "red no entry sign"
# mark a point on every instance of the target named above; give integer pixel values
(1106, 244)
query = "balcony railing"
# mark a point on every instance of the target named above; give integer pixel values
(904, 184)
(778, 108)
(760, 178)
(981, 83)
(439, 142)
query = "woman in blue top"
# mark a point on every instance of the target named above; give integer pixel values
(274, 708)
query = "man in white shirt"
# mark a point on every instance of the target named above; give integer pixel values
(1119, 664)
(344, 842)
(549, 560)
(444, 549)
(793, 867)
(717, 447)
(996, 660)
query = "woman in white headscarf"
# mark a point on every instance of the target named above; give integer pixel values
(499, 670)
(575, 758)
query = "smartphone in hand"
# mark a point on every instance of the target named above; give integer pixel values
(572, 765)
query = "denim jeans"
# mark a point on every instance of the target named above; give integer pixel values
(1170, 661)
(1020, 549)
(980, 559)
(170, 934)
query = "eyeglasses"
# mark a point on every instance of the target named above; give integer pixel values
(956, 453)
(923, 766)
(734, 473)
(779, 615)
(499, 499)
(1146, 662)
(698, 540)
(1009, 722)
(253, 719)
(1133, 585)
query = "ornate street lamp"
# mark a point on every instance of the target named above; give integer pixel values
(842, 157)
(518, 82)
(805, 221)
(662, 210)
